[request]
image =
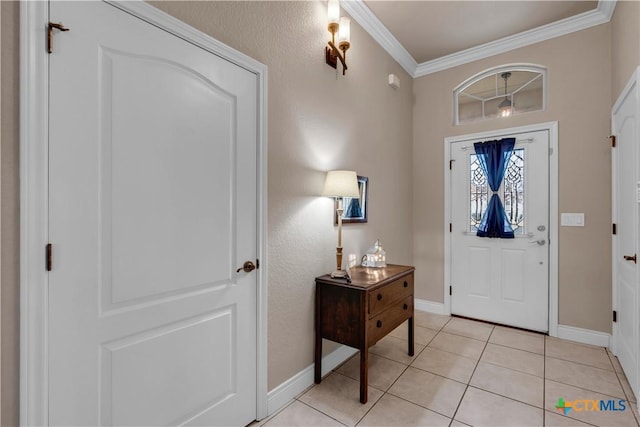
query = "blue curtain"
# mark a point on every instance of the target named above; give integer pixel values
(494, 159)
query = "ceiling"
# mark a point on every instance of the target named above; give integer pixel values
(428, 36)
(431, 29)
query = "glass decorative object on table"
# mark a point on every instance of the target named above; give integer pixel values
(375, 256)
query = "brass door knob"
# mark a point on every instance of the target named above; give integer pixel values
(247, 267)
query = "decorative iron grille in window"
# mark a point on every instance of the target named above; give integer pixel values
(513, 192)
(479, 193)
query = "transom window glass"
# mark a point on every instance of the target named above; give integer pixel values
(512, 192)
(500, 92)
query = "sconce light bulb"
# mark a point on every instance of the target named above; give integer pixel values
(344, 33)
(333, 12)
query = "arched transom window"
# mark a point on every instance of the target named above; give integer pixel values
(500, 92)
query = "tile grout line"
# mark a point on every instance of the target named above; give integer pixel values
(580, 388)
(579, 363)
(415, 356)
(360, 419)
(439, 375)
(519, 349)
(408, 366)
(464, 336)
(272, 416)
(453, 417)
(414, 359)
(318, 410)
(384, 392)
(419, 405)
(623, 389)
(432, 373)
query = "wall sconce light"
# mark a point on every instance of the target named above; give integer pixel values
(342, 26)
(339, 184)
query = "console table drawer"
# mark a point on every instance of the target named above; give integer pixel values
(385, 297)
(388, 320)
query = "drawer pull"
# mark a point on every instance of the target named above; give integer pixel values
(405, 284)
(379, 323)
(379, 297)
(405, 306)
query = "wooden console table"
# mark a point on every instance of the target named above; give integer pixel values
(360, 313)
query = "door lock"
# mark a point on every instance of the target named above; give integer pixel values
(247, 267)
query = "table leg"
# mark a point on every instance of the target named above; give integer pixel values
(411, 346)
(318, 361)
(364, 374)
(317, 373)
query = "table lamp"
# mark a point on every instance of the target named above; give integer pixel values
(339, 184)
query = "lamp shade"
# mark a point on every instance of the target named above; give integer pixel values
(341, 184)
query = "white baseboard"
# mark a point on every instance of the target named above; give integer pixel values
(288, 390)
(429, 306)
(584, 336)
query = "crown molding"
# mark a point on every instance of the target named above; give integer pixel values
(606, 7)
(363, 15)
(563, 27)
(376, 29)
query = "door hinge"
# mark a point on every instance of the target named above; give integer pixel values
(615, 316)
(257, 263)
(615, 229)
(451, 164)
(450, 228)
(52, 26)
(450, 290)
(49, 256)
(613, 140)
(551, 151)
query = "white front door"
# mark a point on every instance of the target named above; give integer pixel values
(152, 208)
(626, 190)
(502, 280)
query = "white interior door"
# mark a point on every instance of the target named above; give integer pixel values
(626, 190)
(502, 280)
(152, 198)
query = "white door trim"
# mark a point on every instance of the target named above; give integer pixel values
(631, 85)
(34, 62)
(552, 128)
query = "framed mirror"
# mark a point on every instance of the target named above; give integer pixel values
(355, 209)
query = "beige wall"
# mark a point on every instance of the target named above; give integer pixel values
(578, 98)
(9, 215)
(317, 121)
(625, 45)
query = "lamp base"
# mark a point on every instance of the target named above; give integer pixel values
(339, 274)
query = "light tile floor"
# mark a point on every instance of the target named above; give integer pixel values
(467, 373)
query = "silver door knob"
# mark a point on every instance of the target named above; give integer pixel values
(540, 242)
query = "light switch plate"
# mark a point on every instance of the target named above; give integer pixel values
(572, 219)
